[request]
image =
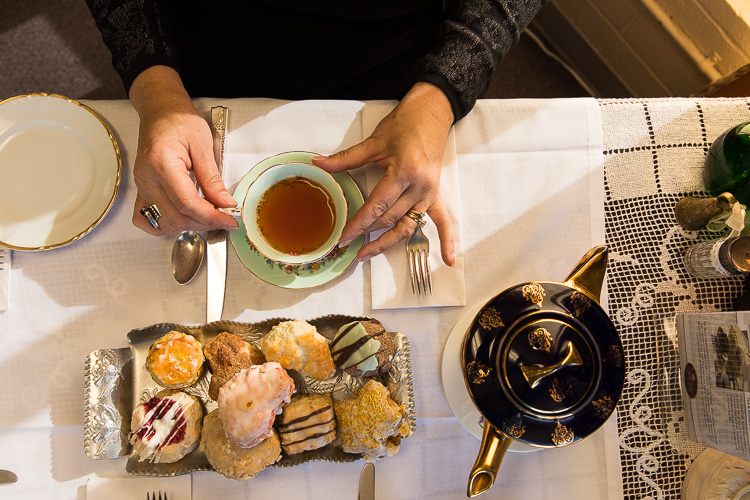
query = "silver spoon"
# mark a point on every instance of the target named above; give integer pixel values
(187, 256)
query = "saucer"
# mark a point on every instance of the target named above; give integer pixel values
(299, 276)
(455, 387)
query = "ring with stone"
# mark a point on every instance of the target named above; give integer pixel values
(152, 214)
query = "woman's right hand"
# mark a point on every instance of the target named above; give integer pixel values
(173, 140)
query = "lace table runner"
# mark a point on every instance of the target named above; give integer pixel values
(653, 157)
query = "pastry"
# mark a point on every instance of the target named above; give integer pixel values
(250, 401)
(229, 458)
(175, 360)
(227, 354)
(363, 348)
(307, 423)
(297, 345)
(370, 422)
(166, 427)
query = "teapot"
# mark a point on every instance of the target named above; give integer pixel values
(543, 364)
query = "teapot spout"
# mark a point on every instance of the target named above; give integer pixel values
(588, 275)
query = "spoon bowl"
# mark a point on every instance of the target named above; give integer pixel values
(187, 256)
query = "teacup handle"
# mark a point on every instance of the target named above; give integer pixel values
(235, 212)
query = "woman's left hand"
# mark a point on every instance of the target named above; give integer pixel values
(409, 144)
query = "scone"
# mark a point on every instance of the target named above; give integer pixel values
(250, 401)
(166, 428)
(175, 360)
(297, 345)
(307, 423)
(227, 354)
(370, 422)
(230, 459)
(363, 348)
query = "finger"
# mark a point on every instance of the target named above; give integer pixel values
(439, 214)
(348, 159)
(398, 233)
(409, 200)
(382, 197)
(208, 177)
(140, 221)
(183, 196)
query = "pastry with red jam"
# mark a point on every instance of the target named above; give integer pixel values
(175, 360)
(166, 427)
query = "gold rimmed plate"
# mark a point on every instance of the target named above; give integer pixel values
(59, 171)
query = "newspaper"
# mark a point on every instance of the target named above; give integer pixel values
(715, 379)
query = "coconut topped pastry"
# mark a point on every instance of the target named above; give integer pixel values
(175, 360)
(297, 345)
(363, 348)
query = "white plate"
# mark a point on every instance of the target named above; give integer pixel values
(453, 381)
(59, 171)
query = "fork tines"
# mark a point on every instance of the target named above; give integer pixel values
(153, 496)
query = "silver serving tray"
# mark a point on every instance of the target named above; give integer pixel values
(116, 381)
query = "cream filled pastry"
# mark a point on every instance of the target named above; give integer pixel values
(363, 348)
(175, 360)
(166, 428)
(307, 423)
(250, 401)
(297, 345)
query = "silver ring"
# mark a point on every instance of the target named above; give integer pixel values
(152, 214)
(417, 217)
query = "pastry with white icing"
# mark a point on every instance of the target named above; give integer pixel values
(363, 348)
(250, 401)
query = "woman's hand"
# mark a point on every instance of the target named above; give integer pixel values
(174, 140)
(409, 144)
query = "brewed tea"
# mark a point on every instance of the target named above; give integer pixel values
(296, 215)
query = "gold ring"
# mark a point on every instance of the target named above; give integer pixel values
(417, 217)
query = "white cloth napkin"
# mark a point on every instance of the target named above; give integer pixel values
(135, 488)
(391, 286)
(5, 265)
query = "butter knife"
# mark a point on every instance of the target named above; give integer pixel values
(7, 477)
(367, 483)
(4, 278)
(216, 240)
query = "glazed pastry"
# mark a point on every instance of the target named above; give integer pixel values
(363, 348)
(175, 360)
(227, 354)
(307, 423)
(166, 428)
(297, 345)
(229, 458)
(250, 401)
(370, 422)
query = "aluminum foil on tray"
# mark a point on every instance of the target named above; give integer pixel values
(116, 381)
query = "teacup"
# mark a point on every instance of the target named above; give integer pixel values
(294, 213)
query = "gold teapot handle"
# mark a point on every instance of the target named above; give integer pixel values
(588, 275)
(491, 453)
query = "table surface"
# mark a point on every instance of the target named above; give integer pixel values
(116, 279)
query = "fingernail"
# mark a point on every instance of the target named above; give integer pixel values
(228, 198)
(345, 241)
(318, 158)
(365, 258)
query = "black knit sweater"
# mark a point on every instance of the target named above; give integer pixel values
(329, 49)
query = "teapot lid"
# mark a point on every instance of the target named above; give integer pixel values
(543, 364)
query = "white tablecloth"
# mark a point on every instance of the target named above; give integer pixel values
(70, 301)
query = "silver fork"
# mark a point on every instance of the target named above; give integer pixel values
(153, 496)
(418, 252)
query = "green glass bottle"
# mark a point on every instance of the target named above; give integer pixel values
(727, 165)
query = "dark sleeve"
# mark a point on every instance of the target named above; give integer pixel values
(474, 37)
(136, 33)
